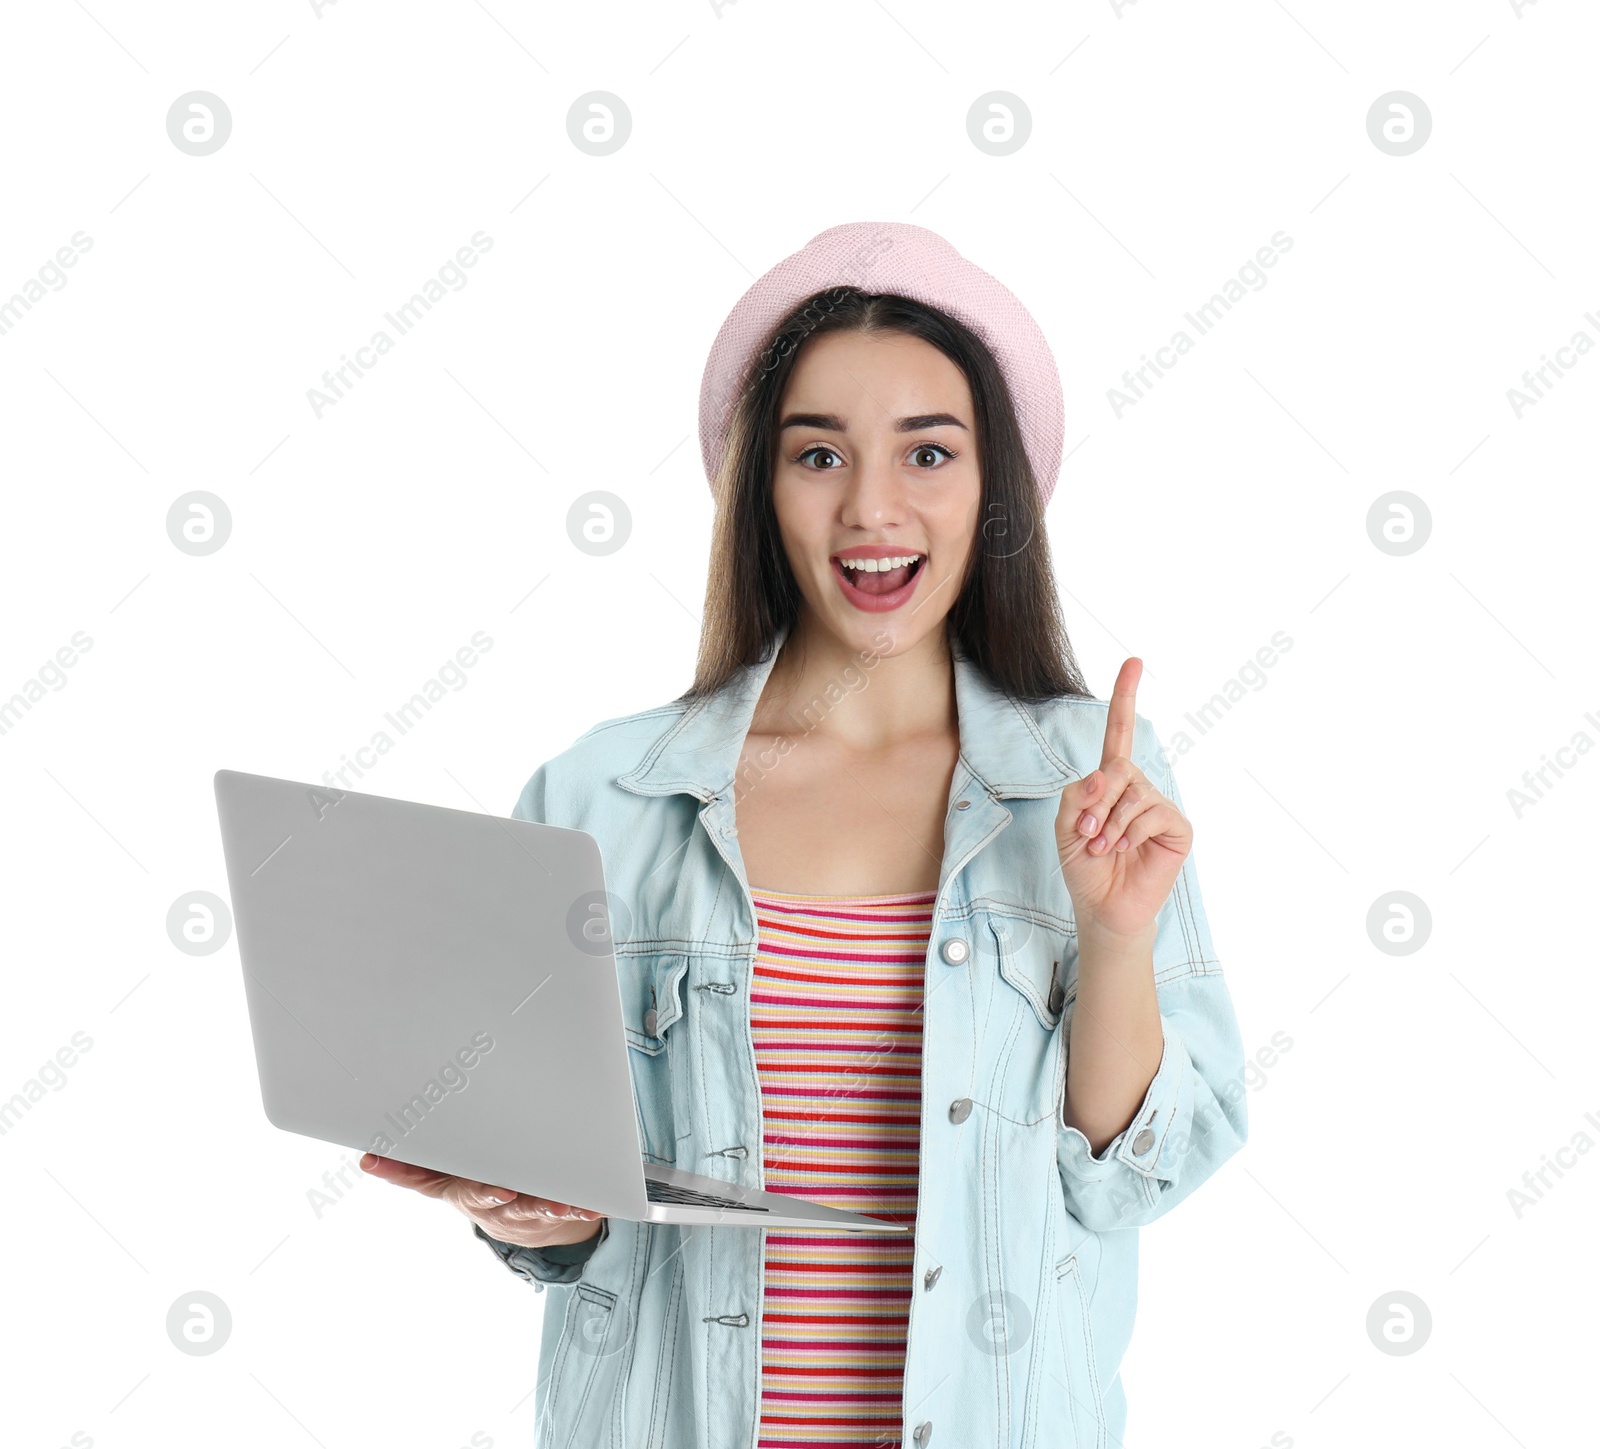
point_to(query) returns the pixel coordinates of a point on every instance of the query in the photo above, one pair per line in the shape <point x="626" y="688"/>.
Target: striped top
<point x="836" y="1017"/>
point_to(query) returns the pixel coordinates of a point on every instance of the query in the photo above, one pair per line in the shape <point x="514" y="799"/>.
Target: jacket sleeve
<point x="560" y="1262"/>
<point x="1192" y="1118"/>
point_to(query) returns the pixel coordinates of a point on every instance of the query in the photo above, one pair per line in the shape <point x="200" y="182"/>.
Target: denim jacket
<point x="1025" y="1271"/>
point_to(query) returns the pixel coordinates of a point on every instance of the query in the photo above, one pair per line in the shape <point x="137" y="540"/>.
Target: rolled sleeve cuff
<point x="559" y="1263"/>
<point x="1148" y="1149"/>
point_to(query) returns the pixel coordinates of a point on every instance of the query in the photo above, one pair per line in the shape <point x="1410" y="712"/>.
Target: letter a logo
<point x="323" y="801"/>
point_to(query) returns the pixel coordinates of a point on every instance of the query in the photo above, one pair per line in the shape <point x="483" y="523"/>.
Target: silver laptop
<point x="416" y="990"/>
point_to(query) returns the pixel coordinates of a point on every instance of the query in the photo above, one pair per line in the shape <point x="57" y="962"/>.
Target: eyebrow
<point x="832" y="422"/>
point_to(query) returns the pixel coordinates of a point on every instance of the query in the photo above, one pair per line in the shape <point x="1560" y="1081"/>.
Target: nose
<point x="876" y="492"/>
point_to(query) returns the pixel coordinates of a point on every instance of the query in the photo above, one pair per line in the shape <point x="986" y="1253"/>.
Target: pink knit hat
<point x="892" y="256"/>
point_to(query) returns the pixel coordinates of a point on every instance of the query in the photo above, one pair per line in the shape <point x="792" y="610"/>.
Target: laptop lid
<point x="393" y="953"/>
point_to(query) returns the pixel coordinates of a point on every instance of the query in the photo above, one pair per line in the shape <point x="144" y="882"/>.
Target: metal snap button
<point x="924" y="1433"/>
<point x="932" y="1276"/>
<point x="961" y="1109"/>
<point x="1143" y="1140"/>
<point x="955" y="951"/>
<point x="963" y="804"/>
<point x="1058" y="994"/>
<point x="650" y="1022"/>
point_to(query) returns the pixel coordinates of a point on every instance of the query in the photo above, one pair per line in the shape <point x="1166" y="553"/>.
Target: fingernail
<point x="1087" y="824"/>
<point x="1123" y="843"/>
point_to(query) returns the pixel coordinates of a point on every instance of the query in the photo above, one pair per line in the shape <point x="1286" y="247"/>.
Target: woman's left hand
<point x="1121" y="842"/>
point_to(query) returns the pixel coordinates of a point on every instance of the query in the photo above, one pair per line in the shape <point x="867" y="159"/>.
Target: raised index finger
<point x="1119" y="714"/>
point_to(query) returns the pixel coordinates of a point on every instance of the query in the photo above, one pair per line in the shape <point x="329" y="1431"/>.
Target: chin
<point x="884" y="635"/>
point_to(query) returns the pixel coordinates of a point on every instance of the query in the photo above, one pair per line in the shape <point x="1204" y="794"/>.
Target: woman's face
<point x="876" y="458"/>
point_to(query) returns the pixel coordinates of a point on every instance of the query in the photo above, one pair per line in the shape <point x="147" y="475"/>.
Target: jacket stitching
<point x="1044" y="1286"/>
<point x="700" y="1051"/>
<point x="1166" y="1131"/>
<point x="624" y="719"/>
<point x="1149" y="1174"/>
<point x="679" y="945"/>
<point x="654" y="753"/>
<point x="669" y="1353"/>
<point x="1089" y="1360"/>
<point x="1039" y="739"/>
<point x="711" y="1241"/>
<point x="1182" y="909"/>
<point x="623" y="1372"/>
<point x="599" y="1299"/>
<point x="1002" y="1072"/>
<point x="990" y="1154"/>
<point x="1039" y="1008"/>
<point x="557" y="1376"/>
<point x="1034" y="915"/>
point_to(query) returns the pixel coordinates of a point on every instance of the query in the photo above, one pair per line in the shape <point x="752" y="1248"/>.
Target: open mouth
<point x="875" y="579"/>
<point x="878" y="584"/>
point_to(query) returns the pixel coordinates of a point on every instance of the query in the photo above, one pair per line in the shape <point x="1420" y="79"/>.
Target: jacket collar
<point x="1001" y="742"/>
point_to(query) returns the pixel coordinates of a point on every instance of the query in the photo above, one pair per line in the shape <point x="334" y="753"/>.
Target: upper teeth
<point x="879" y="565"/>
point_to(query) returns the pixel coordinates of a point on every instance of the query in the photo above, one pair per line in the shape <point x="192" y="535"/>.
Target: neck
<point x="821" y="685"/>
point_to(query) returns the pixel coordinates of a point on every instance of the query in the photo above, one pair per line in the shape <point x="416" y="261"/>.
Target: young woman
<point x="912" y="923"/>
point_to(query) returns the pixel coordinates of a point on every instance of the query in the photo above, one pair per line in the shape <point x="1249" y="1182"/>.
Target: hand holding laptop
<point x="521" y="1219"/>
<point x="422" y="980"/>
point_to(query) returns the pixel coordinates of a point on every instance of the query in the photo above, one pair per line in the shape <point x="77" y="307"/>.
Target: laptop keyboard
<point x="671" y="1193"/>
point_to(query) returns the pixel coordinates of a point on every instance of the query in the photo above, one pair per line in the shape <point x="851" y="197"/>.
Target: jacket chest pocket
<point x="1031" y="964"/>
<point x="1035" y="960"/>
<point x="652" y="1014"/>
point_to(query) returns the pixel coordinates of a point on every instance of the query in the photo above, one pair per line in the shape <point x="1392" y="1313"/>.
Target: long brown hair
<point x="1006" y="618"/>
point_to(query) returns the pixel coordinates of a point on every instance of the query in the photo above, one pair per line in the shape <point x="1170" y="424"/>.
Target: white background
<point x="1168" y="143"/>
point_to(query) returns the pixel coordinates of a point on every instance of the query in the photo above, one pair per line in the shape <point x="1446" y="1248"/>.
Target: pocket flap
<point x="651" y="986"/>
<point x="1033" y="959"/>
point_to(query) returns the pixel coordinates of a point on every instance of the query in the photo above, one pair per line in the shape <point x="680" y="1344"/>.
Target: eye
<point x="821" y="448"/>
<point x="923" y="450"/>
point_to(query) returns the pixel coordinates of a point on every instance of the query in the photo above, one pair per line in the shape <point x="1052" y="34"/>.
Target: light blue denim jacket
<point x="1026" y="1245"/>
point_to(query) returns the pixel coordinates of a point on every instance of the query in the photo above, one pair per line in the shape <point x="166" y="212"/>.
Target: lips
<point x="878" y="593"/>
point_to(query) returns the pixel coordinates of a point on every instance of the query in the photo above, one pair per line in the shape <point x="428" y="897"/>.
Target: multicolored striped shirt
<point x="835" y="1013"/>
